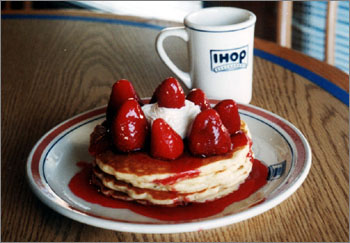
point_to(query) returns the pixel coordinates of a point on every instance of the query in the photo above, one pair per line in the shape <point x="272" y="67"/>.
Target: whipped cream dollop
<point x="179" y="119"/>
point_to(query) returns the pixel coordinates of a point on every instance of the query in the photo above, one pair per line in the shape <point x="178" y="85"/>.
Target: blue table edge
<point x="322" y="82"/>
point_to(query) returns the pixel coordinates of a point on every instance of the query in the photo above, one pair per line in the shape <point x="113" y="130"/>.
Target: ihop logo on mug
<point x="229" y="60"/>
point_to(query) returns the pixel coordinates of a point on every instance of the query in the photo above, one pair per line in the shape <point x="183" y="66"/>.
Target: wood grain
<point x="54" y="69"/>
<point x="334" y="74"/>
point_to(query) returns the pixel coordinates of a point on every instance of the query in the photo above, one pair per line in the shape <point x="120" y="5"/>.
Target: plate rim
<point x="51" y="199"/>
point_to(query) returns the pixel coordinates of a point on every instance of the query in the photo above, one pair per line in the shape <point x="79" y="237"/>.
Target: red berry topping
<point x="198" y="97"/>
<point x="165" y="142"/>
<point x="99" y="141"/>
<point x="129" y="127"/>
<point x="170" y="94"/>
<point x="208" y="135"/>
<point x="155" y="96"/>
<point x="122" y="90"/>
<point x="228" y="111"/>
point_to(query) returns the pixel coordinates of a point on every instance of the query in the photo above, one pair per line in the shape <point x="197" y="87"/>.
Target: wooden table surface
<point x="57" y="65"/>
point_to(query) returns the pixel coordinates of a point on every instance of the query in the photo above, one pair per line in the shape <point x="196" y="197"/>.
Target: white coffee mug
<point x="220" y="47"/>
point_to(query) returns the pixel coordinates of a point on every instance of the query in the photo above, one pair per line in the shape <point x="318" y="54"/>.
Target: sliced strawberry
<point x="208" y="135"/>
<point x="228" y="111"/>
<point x="165" y="142"/>
<point x="121" y="91"/>
<point x="170" y="94"/>
<point x="129" y="127"/>
<point x="198" y="97"/>
<point x="99" y="140"/>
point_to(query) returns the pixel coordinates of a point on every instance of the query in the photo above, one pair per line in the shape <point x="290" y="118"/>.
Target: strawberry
<point x="170" y="94"/>
<point x="198" y="97"/>
<point x="165" y="142"/>
<point x="228" y="111"/>
<point x="208" y="135"/>
<point x="129" y="127"/>
<point x="99" y="141"/>
<point x="155" y="96"/>
<point x="121" y="91"/>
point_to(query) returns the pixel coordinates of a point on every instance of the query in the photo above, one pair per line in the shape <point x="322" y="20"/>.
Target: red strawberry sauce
<point x="182" y="175"/>
<point x="81" y="187"/>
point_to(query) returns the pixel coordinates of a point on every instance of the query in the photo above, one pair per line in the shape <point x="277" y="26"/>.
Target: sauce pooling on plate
<point x="81" y="187"/>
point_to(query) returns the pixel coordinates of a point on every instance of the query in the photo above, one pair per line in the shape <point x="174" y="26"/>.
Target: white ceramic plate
<point x="53" y="162"/>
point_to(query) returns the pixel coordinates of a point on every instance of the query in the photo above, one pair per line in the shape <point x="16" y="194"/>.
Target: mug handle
<point x="174" y="31"/>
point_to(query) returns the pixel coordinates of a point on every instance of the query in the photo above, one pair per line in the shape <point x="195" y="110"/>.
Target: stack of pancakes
<point x="139" y="177"/>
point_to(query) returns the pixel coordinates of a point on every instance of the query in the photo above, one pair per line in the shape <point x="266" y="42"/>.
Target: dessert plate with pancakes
<point x="56" y="164"/>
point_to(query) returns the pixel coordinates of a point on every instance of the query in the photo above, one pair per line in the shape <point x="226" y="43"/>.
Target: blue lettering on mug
<point x="229" y="60"/>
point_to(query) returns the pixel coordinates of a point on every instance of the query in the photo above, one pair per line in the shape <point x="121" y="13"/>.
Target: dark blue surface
<point x="327" y="85"/>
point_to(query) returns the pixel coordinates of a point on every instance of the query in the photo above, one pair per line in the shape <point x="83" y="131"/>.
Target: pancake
<point x="140" y="177"/>
<point x="110" y="186"/>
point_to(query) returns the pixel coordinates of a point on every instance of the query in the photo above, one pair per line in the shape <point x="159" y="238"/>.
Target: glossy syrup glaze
<point x="159" y="195"/>
<point x="140" y="163"/>
<point x="81" y="187"/>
